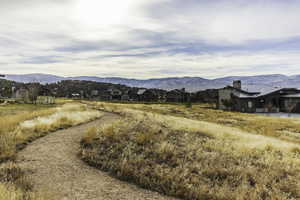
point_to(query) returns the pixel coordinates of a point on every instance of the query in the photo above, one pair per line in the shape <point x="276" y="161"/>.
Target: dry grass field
<point x="198" y="153"/>
<point x="283" y="128"/>
<point x="21" y="124"/>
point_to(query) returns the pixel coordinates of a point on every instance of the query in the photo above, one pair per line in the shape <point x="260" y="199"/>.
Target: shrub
<point x="90" y="135"/>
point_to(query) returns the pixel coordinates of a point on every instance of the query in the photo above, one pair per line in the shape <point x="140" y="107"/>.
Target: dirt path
<point x="56" y="169"/>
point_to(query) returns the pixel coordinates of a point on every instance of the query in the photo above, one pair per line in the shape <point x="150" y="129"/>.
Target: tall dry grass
<point x="17" y="130"/>
<point x="9" y="124"/>
<point x="25" y="125"/>
<point x="14" y="185"/>
<point x="10" y="192"/>
<point x="193" y="159"/>
<point x="284" y="128"/>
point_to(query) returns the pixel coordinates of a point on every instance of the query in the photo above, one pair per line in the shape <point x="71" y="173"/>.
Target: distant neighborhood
<point x="76" y="89"/>
<point x="230" y="98"/>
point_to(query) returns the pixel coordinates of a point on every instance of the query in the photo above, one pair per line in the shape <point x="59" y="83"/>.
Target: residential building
<point x="278" y="100"/>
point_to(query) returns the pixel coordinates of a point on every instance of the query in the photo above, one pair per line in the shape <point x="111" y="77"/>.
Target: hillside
<point x="29" y="78"/>
<point x="250" y="83"/>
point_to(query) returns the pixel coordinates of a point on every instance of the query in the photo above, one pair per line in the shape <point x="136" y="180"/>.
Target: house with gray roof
<point x="278" y="100"/>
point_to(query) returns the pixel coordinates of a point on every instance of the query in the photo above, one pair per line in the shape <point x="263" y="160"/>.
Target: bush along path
<point x="55" y="169"/>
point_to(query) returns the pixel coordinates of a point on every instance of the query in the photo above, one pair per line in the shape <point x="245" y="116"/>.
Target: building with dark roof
<point x="277" y="100"/>
<point x="228" y="96"/>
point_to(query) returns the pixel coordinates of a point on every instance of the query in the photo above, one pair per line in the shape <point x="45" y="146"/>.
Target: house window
<point x="250" y="105"/>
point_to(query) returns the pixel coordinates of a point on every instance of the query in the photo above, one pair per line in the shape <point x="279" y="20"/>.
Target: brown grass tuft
<point x="15" y="185"/>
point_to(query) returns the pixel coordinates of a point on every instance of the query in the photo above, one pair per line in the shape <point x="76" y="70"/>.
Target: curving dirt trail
<point x="55" y="168"/>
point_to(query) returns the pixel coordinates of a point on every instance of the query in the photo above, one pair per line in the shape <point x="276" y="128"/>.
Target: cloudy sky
<point x="150" y="38"/>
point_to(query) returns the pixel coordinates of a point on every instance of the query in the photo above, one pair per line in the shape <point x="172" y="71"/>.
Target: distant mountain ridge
<point x="258" y="83"/>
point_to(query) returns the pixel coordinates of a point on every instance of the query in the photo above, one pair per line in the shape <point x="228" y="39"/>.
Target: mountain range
<point x="260" y="83"/>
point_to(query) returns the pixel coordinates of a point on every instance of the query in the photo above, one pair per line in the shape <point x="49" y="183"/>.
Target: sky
<point x="150" y="38"/>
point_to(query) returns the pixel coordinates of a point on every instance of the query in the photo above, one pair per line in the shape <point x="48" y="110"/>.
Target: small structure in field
<point x="45" y="100"/>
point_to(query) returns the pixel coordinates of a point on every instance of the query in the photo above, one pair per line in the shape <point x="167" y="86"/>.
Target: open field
<point x="21" y="124"/>
<point x="198" y="153"/>
<point x="190" y="153"/>
<point x="287" y="129"/>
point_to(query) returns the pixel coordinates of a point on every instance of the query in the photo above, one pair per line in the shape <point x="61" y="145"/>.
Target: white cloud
<point x="233" y="21"/>
<point x="139" y="38"/>
<point x="207" y="65"/>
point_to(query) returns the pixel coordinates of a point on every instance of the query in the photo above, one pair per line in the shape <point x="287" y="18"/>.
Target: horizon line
<point x="167" y="77"/>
